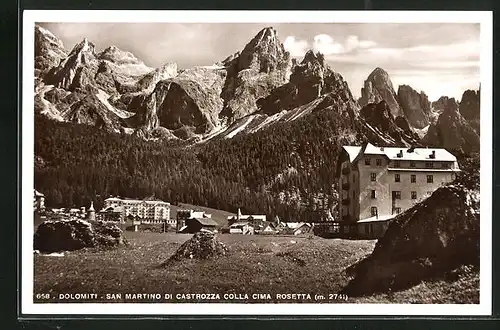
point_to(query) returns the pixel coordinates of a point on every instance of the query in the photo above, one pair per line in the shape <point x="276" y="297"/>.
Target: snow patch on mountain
<point x="239" y="128"/>
<point x="103" y="97"/>
<point x="422" y="131"/>
<point x="48" y="108"/>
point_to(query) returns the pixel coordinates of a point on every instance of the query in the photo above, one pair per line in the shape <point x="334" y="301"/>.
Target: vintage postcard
<point x="256" y="163"/>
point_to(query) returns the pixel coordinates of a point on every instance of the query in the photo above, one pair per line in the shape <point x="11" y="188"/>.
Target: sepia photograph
<point x="256" y="163"/>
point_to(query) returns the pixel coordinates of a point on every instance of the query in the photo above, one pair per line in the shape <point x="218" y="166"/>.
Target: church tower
<point x="91" y="212"/>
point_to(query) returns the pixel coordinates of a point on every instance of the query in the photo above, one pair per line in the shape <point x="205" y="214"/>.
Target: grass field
<point x="256" y="266"/>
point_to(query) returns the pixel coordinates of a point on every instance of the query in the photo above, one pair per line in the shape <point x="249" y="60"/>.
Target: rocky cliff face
<point x="416" y="106"/>
<point x="377" y="87"/>
<point x="452" y="131"/>
<point x="77" y="70"/>
<point x="190" y="102"/>
<point x="441" y="103"/>
<point x="311" y="79"/>
<point x="253" y="73"/>
<point x="469" y="108"/>
<point x="49" y="51"/>
<point x="382" y="128"/>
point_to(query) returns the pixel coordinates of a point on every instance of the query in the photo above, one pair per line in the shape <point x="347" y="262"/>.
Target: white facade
<point x="147" y="210"/>
<point x="379" y="182"/>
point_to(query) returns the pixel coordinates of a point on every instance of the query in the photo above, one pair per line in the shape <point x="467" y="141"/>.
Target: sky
<point x="439" y="59"/>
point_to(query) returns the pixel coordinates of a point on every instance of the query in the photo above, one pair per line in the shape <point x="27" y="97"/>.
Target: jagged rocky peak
<point x="264" y="52"/>
<point x="253" y="73"/>
<point x="311" y="79"/>
<point x="49" y="50"/>
<point x="452" y="130"/>
<point x="118" y="56"/>
<point x="377" y="87"/>
<point x="41" y="32"/>
<point x="77" y="70"/>
<point x="84" y="47"/>
<point x="440" y="103"/>
<point x="382" y="123"/>
<point x="470" y="104"/>
<point x="451" y="106"/>
<point x="416" y="106"/>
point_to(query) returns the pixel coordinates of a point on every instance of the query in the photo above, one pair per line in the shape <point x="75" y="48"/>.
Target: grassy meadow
<point x="262" y="267"/>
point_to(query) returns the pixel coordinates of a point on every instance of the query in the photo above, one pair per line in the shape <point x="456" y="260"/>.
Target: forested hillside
<point x="268" y="172"/>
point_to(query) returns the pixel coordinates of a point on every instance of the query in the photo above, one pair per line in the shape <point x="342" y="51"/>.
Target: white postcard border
<point x="484" y="18"/>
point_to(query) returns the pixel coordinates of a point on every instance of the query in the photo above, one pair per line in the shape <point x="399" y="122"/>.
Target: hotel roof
<point x="408" y="153"/>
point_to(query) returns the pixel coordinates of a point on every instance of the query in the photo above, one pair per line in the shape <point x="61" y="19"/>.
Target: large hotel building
<point x="377" y="183"/>
<point x="147" y="211"/>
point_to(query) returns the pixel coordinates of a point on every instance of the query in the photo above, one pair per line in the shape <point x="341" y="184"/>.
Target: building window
<point x="374" y="211"/>
<point x="397" y="178"/>
<point x="373" y="194"/>
<point x="373" y="176"/>
<point x="397" y="164"/>
<point x="353" y="193"/>
<point x="379" y="162"/>
<point x="430" y="179"/>
<point x="429" y="165"/>
<point x="353" y="178"/>
<point x="368" y="161"/>
<point x="397" y="210"/>
<point x="396" y="194"/>
<point x="413" y="178"/>
<point x="445" y="165"/>
<point x="412" y="164"/>
<point x="413" y="195"/>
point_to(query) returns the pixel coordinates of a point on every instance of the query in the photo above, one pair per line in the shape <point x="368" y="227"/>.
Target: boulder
<point x="430" y="239"/>
<point x="70" y="235"/>
<point x="203" y="245"/>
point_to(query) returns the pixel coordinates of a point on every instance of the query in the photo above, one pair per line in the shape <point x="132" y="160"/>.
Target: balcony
<point x="346" y="170"/>
<point x="345" y="186"/>
<point x="346" y="201"/>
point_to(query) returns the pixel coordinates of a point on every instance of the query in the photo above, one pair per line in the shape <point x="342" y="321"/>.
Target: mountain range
<point x="249" y="90"/>
<point x="254" y="96"/>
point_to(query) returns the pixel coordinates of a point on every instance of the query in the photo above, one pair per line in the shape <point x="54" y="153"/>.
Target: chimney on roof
<point x="381" y="148"/>
<point x="433" y="154"/>
<point x="411" y="149"/>
<point x="400" y="154"/>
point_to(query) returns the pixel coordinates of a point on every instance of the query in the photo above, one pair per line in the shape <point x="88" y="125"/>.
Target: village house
<point x="146" y="210"/>
<point x="250" y="218"/>
<point x="377" y="183"/>
<point x="194" y="225"/>
<point x="184" y="214"/>
<point x="241" y="228"/>
<point x="268" y="228"/>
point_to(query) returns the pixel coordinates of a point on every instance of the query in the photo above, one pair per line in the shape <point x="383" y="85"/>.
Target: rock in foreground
<point x="434" y="237"/>
<point x="203" y="245"/>
<point x="70" y="235"/>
